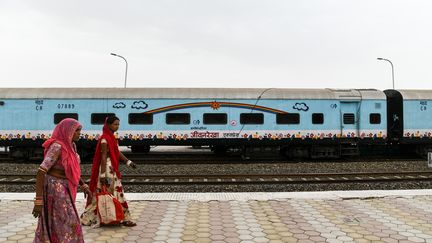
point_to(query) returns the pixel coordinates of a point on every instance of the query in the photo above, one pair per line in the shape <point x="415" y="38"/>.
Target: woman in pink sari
<point x="57" y="181"/>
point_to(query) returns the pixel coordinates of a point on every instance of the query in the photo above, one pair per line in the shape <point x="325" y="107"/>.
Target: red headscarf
<point x="114" y="155"/>
<point x="63" y="134"/>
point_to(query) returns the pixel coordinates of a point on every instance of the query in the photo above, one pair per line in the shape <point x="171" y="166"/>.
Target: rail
<point x="216" y="179"/>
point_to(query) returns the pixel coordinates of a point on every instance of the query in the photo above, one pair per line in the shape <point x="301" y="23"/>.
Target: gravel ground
<point x="267" y="167"/>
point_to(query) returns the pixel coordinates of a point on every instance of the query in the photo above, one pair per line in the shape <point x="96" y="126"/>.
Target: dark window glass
<point x="140" y="118"/>
<point x="58" y="117"/>
<point x="375" y="118"/>
<point x="317" y="118"/>
<point x="348" y="118"/>
<point x="178" y="118"/>
<point x="251" y="118"/>
<point x="99" y="118"/>
<point x="215" y="118"/>
<point x="290" y="118"/>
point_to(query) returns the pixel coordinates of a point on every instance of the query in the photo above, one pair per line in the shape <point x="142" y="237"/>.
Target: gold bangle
<point x="38" y="202"/>
<point x="43" y="170"/>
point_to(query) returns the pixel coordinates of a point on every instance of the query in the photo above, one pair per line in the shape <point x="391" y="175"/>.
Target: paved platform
<point x="352" y="216"/>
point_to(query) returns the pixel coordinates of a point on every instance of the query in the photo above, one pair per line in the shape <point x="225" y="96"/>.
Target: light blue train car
<point x="299" y="122"/>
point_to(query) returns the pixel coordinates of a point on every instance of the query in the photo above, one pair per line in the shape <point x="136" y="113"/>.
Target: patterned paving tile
<point x="389" y="219"/>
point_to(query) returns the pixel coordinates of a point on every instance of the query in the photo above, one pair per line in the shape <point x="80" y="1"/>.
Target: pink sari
<point x="59" y="221"/>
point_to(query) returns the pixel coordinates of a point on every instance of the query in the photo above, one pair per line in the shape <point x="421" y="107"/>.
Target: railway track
<point x="233" y="179"/>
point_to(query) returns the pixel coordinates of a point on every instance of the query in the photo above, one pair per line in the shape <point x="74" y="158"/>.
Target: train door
<point x="350" y="118"/>
<point x="2" y="119"/>
<point x="395" y="119"/>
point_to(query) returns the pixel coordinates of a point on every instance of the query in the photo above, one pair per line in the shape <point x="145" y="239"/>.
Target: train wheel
<point x="423" y="150"/>
<point x="19" y="153"/>
<point x="219" y="150"/>
<point x="140" y="148"/>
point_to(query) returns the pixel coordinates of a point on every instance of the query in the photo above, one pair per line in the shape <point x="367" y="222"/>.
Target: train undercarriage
<point x="290" y="152"/>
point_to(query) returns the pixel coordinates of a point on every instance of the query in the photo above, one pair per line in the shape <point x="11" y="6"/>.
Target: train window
<point x="140" y="118"/>
<point x="99" y="118"/>
<point x="215" y="118"/>
<point x="348" y="118"/>
<point x="317" y="118"/>
<point x="251" y="118"/>
<point x="290" y="118"/>
<point x="375" y="118"/>
<point x="177" y="118"/>
<point x="58" y="117"/>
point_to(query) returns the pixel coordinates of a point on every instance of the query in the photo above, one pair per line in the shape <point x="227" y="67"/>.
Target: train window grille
<point x="140" y="118"/>
<point x="289" y="118"/>
<point x="375" y="118"/>
<point x="215" y="118"/>
<point x="348" y="118"/>
<point x="251" y="118"/>
<point x="99" y="118"/>
<point x="177" y="118"/>
<point x="317" y="118"/>
<point x="58" y="117"/>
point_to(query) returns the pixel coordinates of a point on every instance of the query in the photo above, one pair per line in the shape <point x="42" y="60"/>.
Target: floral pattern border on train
<point x="215" y="135"/>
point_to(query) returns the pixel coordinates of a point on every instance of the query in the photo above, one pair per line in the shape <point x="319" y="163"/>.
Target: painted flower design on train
<point x="209" y="134"/>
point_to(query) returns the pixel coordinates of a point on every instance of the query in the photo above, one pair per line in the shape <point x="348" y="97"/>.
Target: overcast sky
<point x="218" y="43"/>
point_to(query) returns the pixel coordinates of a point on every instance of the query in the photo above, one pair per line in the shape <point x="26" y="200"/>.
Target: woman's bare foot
<point x="128" y="223"/>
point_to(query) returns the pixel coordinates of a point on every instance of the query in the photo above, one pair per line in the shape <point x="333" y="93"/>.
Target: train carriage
<point x="298" y="122"/>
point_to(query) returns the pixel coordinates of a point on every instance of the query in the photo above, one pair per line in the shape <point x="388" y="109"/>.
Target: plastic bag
<point x="109" y="208"/>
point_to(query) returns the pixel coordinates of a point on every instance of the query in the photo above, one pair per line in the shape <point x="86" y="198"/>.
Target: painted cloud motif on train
<point x="139" y="105"/>
<point x="119" y="105"/>
<point x="301" y="107"/>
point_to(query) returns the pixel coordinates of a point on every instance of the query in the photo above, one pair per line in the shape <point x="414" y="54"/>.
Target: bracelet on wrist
<point x="38" y="202"/>
<point x="42" y="170"/>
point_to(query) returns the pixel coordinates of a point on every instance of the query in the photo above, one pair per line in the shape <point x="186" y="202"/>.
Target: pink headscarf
<point x="63" y="134"/>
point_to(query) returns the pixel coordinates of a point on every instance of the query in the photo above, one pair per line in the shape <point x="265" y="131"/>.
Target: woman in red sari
<point x="105" y="171"/>
<point x="57" y="181"/>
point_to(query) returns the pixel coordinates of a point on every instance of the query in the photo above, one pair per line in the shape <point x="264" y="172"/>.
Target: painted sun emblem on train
<point x="215" y="105"/>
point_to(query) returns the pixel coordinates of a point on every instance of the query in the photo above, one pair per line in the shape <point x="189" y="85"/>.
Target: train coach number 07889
<point x="65" y="106"/>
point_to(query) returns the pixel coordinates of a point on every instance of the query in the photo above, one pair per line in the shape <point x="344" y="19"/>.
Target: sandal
<point x="128" y="223"/>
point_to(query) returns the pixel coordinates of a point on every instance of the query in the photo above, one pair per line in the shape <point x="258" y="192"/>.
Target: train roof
<point x="413" y="94"/>
<point x="182" y="93"/>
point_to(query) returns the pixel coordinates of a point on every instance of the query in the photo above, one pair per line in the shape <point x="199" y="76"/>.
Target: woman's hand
<point x="37" y="211"/>
<point x="87" y="193"/>
<point x="131" y="164"/>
